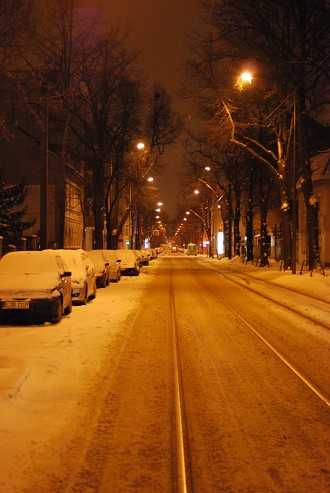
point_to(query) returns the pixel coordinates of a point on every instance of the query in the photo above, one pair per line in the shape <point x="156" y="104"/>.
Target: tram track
<point x="280" y="355"/>
<point x="319" y="311"/>
<point x="186" y="462"/>
<point x="180" y="425"/>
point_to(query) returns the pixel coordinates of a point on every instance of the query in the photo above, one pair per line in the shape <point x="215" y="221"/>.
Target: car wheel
<point x="59" y="309"/>
<point x="68" y="308"/>
<point x="93" y="295"/>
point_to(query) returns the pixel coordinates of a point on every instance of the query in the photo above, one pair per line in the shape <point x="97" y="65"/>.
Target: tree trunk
<point x="312" y="206"/>
<point x="264" y="253"/>
<point x="249" y="232"/>
<point x="249" y="218"/>
<point x="61" y="188"/>
<point x="98" y="204"/>
<point x="287" y="244"/>
<point x="237" y="217"/>
<point x="312" y="209"/>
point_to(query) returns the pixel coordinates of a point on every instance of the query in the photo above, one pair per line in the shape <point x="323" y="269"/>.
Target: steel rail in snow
<point x="263" y="282"/>
<point x="298" y="373"/>
<point x="178" y="400"/>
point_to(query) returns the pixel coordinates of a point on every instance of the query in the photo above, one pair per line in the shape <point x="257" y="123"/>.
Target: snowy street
<point x="195" y="373"/>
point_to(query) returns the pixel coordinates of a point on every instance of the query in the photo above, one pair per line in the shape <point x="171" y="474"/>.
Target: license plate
<point x="15" y="305"/>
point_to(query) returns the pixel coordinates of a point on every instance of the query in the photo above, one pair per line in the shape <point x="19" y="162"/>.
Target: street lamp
<point x="243" y="79"/>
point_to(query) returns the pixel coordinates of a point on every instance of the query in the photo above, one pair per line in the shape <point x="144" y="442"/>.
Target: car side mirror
<point x="66" y="274"/>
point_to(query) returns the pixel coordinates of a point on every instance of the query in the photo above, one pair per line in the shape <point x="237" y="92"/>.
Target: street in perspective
<point x="164" y="246"/>
<point x="197" y="375"/>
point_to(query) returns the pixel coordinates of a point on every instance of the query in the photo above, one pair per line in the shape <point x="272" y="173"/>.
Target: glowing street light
<point x="150" y="179"/>
<point x="140" y="145"/>
<point x="246" y="77"/>
<point x="243" y="79"/>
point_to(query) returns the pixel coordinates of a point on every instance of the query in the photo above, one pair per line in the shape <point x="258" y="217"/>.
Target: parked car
<point x="145" y="257"/>
<point x="34" y="286"/>
<point x="114" y="265"/>
<point x="129" y="262"/>
<point x="152" y="253"/>
<point x="138" y="256"/>
<point x="101" y="265"/>
<point x="83" y="275"/>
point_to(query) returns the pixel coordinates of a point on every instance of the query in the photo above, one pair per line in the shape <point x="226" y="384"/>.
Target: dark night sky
<point x="158" y="29"/>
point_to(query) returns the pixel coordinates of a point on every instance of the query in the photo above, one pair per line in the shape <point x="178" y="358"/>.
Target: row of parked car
<point x="43" y="285"/>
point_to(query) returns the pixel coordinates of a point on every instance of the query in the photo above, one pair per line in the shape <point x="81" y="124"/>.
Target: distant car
<point x="114" y="265"/>
<point x="152" y="253"/>
<point x="34" y="286"/>
<point x="83" y="275"/>
<point x="145" y="257"/>
<point x="101" y="265"/>
<point x="129" y="262"/>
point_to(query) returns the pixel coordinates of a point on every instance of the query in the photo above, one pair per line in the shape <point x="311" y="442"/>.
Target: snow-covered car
<point x="101" y="266"/>
<point x="145" y="257"/>
<point x="152" y="253"/>
<point x="34" y="286"/>
<point x="129" y="262"/>
<point x="83" y="275"/>
<point x="138" y="256"/>
<point x="114" y="265"/>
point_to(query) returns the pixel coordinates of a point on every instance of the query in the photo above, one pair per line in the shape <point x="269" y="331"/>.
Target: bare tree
<point x="15" y="18"/>
<point x="287" y="45"/>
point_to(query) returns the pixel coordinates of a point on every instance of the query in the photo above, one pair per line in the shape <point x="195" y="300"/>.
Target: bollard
<point x="31" y="243"/>
<point x="21" y="244"/>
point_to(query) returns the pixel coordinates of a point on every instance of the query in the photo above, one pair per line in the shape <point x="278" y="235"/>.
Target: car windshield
<point x="96" y="256"/>
<point x="36" y="263"/>
<point x="72" y="261"/>
<point x="125" y="253"/>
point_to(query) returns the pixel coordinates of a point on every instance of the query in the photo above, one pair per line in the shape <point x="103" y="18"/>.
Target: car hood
<point x="27" y="283"/>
